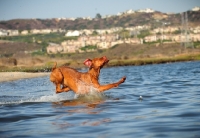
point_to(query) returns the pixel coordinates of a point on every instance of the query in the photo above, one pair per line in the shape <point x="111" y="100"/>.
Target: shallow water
<point x="169" y="106"/>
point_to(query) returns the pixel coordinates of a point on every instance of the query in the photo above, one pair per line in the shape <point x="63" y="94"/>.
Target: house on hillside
<point x="87" y="32"/>
<point x="13" y="32"/>
<point x="120" y="13"/>
<point x="195" y="37"/>
<point x="150" y="38"/>
<point x="54" y="48"/>
<point x="35" y="31"/>
<point x="168" y="29"/>
<point x="70" y="48"/>
<point x="73" y="33"/>
<point x="24" y="32"/>
<point x="153" y="38"/>
<point x="147" y="10"/>
<point x="72" y="19"/>
<point x="196" y="8"/>
<point x="45" y="31"/>
<point x="3" y="32"/>
<point x="195" y="30"/>
<point x="130" y="11"/>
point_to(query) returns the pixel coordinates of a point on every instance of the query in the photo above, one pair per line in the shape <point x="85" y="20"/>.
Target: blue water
<point x="169" y="107"/>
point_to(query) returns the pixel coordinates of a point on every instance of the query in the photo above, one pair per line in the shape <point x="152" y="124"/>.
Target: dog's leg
<point x="102" y="88"/>
<point x="65" y="88"/>
<point x="59" y="90"/>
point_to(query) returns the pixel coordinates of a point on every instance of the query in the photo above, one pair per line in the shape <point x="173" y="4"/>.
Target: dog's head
<point x="96" y="62"/>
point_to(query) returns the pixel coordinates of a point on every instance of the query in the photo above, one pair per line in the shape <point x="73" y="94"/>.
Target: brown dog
<point x="81" y="83"/>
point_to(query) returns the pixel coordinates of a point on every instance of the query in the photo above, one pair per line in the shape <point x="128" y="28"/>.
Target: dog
<point x="66" y="78"/>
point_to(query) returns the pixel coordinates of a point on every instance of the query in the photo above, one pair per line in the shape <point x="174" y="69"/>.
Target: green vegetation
<point x="39" y="53"/>
<point x="94" y="33"/>
<point x="89" y="47"/>
<point x="98" y="16"/>
<point x="27" y="69"/>
<point x="196" y="44"/>
<point x="159" y="41"/>
<point x="144" y="33"/>
<point x="119" y="55"/>
<point x="153" y="60"/>
<point x="115" y="62"/>
<point x="124" y="34"/>
<point x="177" y="32"/>
<point x="41" y="39"/>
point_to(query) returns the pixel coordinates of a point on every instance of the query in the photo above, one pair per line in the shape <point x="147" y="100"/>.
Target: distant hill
<point x="125" y="20"/>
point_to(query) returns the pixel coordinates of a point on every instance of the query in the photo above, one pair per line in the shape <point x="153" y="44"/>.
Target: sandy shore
<point x="12" y="76"/>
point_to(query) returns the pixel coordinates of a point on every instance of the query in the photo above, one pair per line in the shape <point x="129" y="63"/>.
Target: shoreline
<point x="17" y="75"/>
<point x="13" y="76"/>
<point x="150" y="61"/>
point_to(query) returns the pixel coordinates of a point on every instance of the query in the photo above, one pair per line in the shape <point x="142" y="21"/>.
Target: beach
<point x="12" y="76"/>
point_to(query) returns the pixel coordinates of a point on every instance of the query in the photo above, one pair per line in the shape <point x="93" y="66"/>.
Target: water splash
<point x="9" y="100"/>
<point x="91" y="96"/>
<point x="88" y="93"/>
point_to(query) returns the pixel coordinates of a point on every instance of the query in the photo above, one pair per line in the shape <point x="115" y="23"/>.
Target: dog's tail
<point x="54" y="66"/>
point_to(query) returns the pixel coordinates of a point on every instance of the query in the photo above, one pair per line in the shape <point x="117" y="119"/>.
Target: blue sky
<point x="12" y="9"/>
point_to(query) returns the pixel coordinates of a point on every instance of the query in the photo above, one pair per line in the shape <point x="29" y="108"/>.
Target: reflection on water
<point x="155" y="101"/>
<point x="90" y="100"/>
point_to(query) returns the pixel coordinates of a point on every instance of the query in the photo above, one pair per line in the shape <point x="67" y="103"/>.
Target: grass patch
<point x="89" y="47"/>
<point x="146" y="61"/>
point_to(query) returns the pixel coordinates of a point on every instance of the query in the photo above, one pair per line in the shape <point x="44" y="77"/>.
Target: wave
<point x="9" y="100"/>
<point x="91" y="96"/>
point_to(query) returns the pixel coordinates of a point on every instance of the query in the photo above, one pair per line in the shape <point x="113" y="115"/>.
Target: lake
<point x="160" y="100"/>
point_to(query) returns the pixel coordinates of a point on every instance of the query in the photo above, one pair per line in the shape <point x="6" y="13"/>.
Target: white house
<point x="87" y="18"/>
<point x="120" y="13"/>
<point x="147" y="10"/>
<point x="54" y="48"/>
<point x="130" y="11"/>
<point x="196" y="8"/>
<point x="24" y="32"/>
<point x="3" y="32"/>
<point x="87" y="32"/>
<point x="13" y="32"/>
<point x="45" y="31"/>
<point x="72" y="19"/>
<point x="73" y="33"/>
<point x="35" y="31"/>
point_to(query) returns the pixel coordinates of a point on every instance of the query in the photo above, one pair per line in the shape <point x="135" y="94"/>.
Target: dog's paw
<point x="123" y="79"/>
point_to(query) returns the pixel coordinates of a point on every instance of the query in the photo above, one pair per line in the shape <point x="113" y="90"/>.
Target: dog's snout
<point x="105" y="59"/>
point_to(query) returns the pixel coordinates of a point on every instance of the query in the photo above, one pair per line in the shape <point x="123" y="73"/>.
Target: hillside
<point x="29" y="51"/>
<point x="128" y="20"/>
<point x="9" y="49"/>
<point x="128" y="51"/>
<point x="123" y="54"/>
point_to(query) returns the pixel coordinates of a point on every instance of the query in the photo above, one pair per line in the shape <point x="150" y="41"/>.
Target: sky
<point x="26" y="9"/>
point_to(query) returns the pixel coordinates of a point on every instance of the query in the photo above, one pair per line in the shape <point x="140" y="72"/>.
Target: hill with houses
<point x="144" y="29"/>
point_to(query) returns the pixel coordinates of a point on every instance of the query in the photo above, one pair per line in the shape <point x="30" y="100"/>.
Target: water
<point x="169" y="106"/>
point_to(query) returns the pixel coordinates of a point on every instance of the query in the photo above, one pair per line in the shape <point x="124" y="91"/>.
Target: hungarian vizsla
<point x="66" y="78"/>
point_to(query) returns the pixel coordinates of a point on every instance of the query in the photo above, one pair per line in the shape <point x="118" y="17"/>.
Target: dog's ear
<point x="88" y="62"/>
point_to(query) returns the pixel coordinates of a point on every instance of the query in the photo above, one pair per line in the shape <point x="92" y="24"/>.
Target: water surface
<point x="169" y="106"/>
